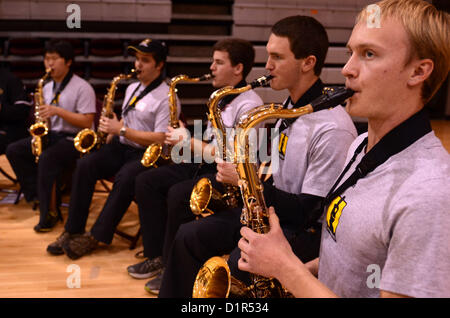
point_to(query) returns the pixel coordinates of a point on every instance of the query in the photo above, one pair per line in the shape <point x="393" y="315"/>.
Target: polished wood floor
<point x="27" y="271"/>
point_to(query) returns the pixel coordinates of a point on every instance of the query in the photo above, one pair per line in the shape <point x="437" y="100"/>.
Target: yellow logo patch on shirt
<point x="132" y="100"/>
<point x="282" y="145"/>
<point x="334" y="212"/>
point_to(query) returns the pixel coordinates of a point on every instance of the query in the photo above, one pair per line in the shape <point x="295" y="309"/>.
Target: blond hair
<point x="428" y="32"/>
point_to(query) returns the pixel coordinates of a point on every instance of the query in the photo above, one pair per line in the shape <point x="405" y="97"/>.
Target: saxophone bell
<point x="214" y="280"/>
<point x="151" y="155"/>
<point x="85" y="140"/>
<point x="205" y="199"/>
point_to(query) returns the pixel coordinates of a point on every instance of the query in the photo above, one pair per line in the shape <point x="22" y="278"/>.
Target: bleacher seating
<point x="189" y="27"/>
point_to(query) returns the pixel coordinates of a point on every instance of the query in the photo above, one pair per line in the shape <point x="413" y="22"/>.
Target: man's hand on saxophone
<point x="47" y="111"/>
<point x="76" y="119"/>
<point x="176" y="135"/>
<point x="226" y="172"/>
<point x="262" y="254"/>
<point x="110" y="126"/>
<point x="271" y="255"/>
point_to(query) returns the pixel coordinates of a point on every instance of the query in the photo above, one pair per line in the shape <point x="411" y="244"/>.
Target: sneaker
<point x="50" y="221"/>
<point x="79" y="245"/>
<point x="56" y="248"/>
<point x="154" y="285"/>
<point x="146" y="269"/>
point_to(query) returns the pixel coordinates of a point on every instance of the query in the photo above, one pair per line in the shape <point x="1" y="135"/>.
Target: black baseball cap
<point x="149" y="46"/>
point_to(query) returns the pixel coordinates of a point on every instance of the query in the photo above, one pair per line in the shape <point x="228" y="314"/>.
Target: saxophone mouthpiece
<point x="348" y="93"/>
<point x="263" y="81"/>
<point x="332" y="97"/>
<point x="136" y="71"/>
<point x="205" y="77"/>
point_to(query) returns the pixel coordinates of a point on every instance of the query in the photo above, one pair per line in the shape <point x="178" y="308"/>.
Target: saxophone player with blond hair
<point x="386" y="224"/>
<point x="67" y="105"/>
<point x="144" y="118"/>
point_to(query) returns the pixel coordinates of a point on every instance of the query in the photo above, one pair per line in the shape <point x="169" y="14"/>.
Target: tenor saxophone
<point x="87" y="138"/>
<point x="39" y="129"/>
<point x="203" y="194"/>
<point x="155" y="150"/>
<point x="214" y="279"/>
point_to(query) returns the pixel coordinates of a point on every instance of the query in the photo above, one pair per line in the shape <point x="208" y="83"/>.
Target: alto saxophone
<point x="39" y="129"/>
<point x="203" y="193"/>
<point x="87" y="139"/>
<point x="214" y="279"/>
<point x="155" y="150"/>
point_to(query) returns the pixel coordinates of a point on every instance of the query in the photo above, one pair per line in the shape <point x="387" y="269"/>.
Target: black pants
<point x="162" y="196"/>
<point x="37" y="179"/>
<point x="114" y="159"/>
<point x="7" y="138"/>
<point x="194" y="243"/>
<point x="217" y="235"/>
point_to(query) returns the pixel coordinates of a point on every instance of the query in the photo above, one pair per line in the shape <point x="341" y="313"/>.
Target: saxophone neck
<point x="217" y="95"/>
<point x="108" y="101"/>
<point x="39" y="95"/>
<point x="173" y="94"/>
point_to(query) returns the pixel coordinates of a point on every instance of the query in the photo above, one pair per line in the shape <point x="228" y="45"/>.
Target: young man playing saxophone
<point x="310" y="155"/>
<point x="68" y="106"/>
<point x="163" y="194"/>
<point x="386" y="226"/>
<point x="145" y="114"/>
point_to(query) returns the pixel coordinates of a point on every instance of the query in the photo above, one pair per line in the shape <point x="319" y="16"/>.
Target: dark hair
<point x="63" y="48"/>
<point x="306" y="37"/>
<point x="239" y="51"/>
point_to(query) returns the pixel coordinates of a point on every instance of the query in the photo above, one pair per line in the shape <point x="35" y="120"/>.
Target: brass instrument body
<point x="211" y="280"/>
<point x="155" y="152"/>
<point x="230" y="196"/>
<point x="87" y="138"/>
<point x="39" y="130"/>
<point x="205" y="199"/>
<point x="214" y="280"/>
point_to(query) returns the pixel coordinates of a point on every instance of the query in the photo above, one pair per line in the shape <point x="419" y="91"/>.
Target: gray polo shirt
<point x="392" y="229"/>
<point x="311" y="151"/>
<point x="151" y="112"/>
<point x="78" y="97"/>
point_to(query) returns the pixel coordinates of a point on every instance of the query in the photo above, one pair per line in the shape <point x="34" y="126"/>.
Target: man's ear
<point x="422" y="69"/>
<point x="308" y="63"/>
<point x="238" y="69"/>
<point x="160" y="66"/>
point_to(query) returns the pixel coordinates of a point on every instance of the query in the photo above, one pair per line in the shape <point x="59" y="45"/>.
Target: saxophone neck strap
<point x="312" y="93"/>
<point x="133" y="100"/>
<point x="392" y="143"/>
<point x="65" y="81"/>
<point x="224" y="102"/>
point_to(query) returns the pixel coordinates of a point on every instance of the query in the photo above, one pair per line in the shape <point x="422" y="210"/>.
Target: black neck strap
<point x="61" y="87"/>
<point x="131" y="103"/>
<point x="224" y="102"/>
<point x="312" y="93"/>
<point x="392" y="143"/>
